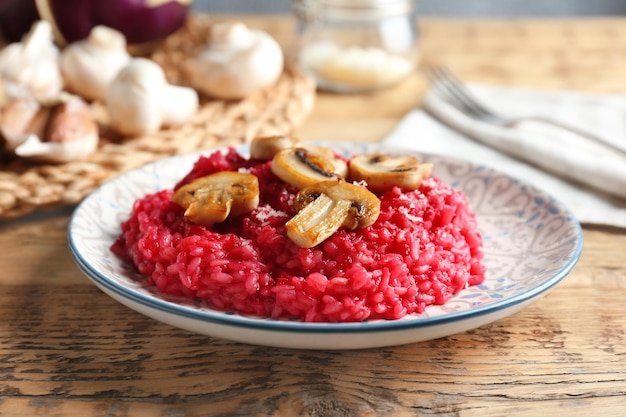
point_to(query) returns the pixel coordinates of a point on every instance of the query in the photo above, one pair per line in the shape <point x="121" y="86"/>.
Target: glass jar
<point x="352" y="46"/>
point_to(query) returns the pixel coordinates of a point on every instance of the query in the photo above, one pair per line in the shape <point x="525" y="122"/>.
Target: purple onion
<point x="136" y="19"/>
<point x="16" y="18"/>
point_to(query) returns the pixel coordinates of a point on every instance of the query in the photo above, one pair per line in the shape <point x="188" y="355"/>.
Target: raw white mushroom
<point x="31" y="66"/>
<point x="236" y="63"/>
<point x="141" y="101"/>
<point x="89" y="66"/>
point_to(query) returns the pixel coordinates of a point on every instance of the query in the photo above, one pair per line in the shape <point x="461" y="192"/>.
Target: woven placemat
<point x="26" y="187"/>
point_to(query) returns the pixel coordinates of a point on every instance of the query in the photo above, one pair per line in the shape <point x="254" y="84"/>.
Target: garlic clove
<point x="20" y="118"/>
<point x="55" y="152"/>
<point x="4" y="94"/>
<point x="70" y="134"/>
<point x="70" y="121"/>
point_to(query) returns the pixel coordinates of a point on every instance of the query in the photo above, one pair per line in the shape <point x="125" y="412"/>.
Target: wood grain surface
<point x="66" y="349"/>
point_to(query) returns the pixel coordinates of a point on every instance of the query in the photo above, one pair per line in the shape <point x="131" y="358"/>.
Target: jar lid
<point x="356" y="9"/>
<point x="367" y="8"/>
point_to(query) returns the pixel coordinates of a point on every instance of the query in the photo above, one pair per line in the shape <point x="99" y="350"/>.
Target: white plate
<point x="531" y="242"/>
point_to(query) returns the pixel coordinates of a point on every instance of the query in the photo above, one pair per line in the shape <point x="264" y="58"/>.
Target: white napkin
<point x="571" y="169"/>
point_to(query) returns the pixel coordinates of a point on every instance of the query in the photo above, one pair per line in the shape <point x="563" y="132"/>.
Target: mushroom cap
<point x="237" y="63"/>
<point x="89" y="66"/>
<point x="266" y="147"/>
<point x="383" y="172"/>
<point x="134" y="98"/>
<point x="211" y="199"/>
<point x="301" y="167"/>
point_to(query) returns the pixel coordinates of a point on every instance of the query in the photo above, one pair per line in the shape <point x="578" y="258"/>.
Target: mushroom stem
<point x="326" y="206"/>
<point x="140" y="100"/>
<point x="317" y="221"/>
<point x="178" y="104"/>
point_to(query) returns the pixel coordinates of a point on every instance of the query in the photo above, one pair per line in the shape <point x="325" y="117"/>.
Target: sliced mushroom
<point x="326" y="206"/>
<point x="340" y="166"/>
<point x="301" y="167"/>
<point x="211" y="199"/>
<point x="383" y="172"/>
<point x="266" y="147"/>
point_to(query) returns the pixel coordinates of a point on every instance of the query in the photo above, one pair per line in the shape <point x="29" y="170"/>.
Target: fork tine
<point x="441" y="85"/>
<point x="463" y="92"/>
<point x="457" y="93"/>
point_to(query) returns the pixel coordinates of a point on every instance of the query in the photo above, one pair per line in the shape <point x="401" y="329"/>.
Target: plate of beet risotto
<point x="322" y="246"/>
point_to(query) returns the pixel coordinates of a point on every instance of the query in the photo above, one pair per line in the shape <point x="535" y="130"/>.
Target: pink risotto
<point x="422" y="249"/>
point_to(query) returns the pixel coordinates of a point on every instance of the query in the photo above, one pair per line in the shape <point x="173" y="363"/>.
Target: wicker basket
<point x="26" y="187"/>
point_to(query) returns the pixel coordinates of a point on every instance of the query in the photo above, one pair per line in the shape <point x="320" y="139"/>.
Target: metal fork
<point x="454" y="91"/>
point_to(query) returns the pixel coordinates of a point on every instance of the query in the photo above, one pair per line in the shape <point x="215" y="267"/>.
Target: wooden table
<point x="69" y="350"/>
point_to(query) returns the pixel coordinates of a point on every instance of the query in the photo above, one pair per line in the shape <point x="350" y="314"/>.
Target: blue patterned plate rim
<point x="235" y="320"/>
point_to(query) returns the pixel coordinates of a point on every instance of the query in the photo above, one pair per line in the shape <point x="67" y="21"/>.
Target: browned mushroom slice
<point x="326" y="206"/>
<point x="340" y="167"/>
<point x="383" y="172"/>
<point x="301" y="167"/>
<point x="211" y="199"/>
<point x="266" y="147"/>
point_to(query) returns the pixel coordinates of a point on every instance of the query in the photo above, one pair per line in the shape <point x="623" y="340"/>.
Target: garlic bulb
<point x="31" y="65"/>
<point x="61" y="132"/>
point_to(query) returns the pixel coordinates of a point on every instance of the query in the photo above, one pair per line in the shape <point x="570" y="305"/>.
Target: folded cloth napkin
<point x="589" y="179"/>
